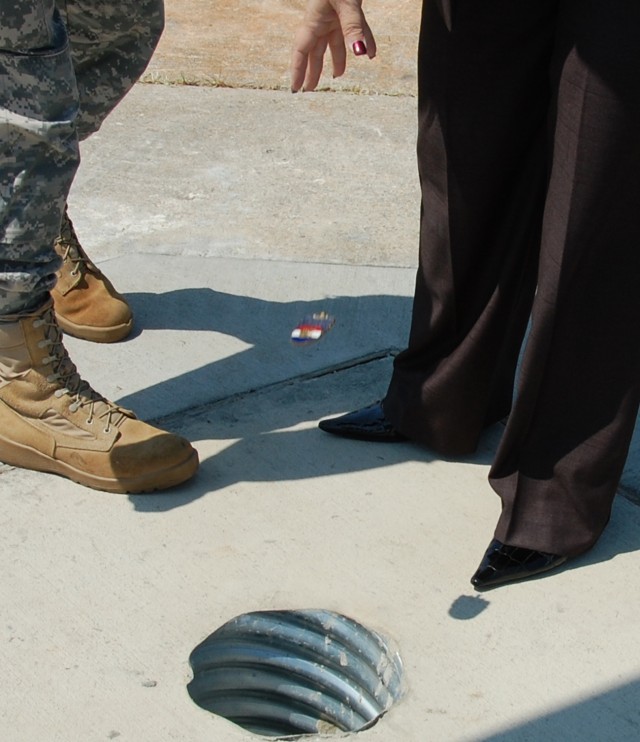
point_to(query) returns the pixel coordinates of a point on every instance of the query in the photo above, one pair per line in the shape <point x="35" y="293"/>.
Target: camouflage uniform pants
<point x="64" y="65"/>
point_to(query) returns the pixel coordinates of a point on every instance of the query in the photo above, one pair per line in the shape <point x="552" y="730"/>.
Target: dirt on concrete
<point x="246" y="43"/>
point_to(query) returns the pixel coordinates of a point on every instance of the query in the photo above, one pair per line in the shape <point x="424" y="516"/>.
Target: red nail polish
<point x="359" y="48"/>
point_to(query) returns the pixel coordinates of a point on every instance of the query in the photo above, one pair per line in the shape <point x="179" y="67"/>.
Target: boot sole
<point x="95" y="334"/>
<point x="24" y="457"/>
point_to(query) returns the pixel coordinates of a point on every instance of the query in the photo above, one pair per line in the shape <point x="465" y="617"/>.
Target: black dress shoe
<point x="368" y="424"/>
<point x="503" y="563"/>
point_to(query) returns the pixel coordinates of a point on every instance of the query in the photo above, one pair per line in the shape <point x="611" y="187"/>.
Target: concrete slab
<point x="252" y="174"/>
<point x="212" y="328"/>
<point x="109" y="595"/>
<point x="102" y="598"/>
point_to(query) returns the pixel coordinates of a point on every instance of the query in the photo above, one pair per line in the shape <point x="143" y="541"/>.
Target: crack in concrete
<point x="176" y="419"/>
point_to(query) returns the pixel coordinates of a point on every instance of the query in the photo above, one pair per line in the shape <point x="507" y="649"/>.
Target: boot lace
<point x="65" y="374"/>
<point x="72" y="249"/>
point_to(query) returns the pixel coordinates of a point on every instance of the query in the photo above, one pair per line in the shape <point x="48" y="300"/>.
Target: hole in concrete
<point x="291" y="673"/>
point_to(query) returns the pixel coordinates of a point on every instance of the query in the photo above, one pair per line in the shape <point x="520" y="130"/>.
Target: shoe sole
<point x="95" y="334"/>
<point x="24" y="457"/>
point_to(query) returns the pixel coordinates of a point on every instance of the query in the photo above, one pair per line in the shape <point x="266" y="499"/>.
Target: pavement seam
<point x="191" y="414"/>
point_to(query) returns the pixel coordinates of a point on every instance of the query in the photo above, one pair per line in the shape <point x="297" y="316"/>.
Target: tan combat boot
<point x="51" y="420"/>
<point x="86" y="304"/>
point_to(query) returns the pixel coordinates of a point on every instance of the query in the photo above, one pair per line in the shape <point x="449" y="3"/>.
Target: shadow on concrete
<point x="363" y="324"/>
<point x="466" y="607"/>
<point x="256" y="422"/>
<point x="289" y="456"/>
<point x="249" y="318"/>
<point x="310" y="453"/>
<point x="611" y="715"/>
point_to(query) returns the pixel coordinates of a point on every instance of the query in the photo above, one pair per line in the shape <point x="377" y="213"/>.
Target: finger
<point x="298" y="70"/>
<point x="303" y="43"/>
<point x="338" y="53"/>
<point x="369" y="41"/>
<point x="352" y="21"/>
<point x="366" y="45"/>
<point x="315" y="64"/>
<point x="356" y="31"/>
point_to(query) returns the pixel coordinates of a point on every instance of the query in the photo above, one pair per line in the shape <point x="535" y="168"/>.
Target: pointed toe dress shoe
<point x="367" y="424"/>
<point x="502" y="563"/>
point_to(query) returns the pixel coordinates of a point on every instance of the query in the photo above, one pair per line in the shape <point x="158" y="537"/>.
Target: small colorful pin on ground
<point x="312" y="328"/>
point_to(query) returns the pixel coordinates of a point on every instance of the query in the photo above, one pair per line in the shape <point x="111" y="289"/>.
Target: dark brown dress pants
<point x="529" y="161"/>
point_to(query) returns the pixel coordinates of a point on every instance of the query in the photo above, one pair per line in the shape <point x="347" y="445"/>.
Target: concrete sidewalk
<point x="225" y="215"/>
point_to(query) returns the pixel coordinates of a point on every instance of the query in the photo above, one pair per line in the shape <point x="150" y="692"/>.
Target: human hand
<point x="328" y="23"/>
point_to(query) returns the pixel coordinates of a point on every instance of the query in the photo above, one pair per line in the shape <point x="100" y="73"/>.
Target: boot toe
<point x="155" y="460"/>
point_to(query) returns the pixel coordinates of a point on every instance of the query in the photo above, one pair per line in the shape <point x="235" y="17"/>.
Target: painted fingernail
<point x="359" y="48"/>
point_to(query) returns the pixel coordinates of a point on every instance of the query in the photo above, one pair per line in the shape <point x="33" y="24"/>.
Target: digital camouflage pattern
<point x="63" y="67"/>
